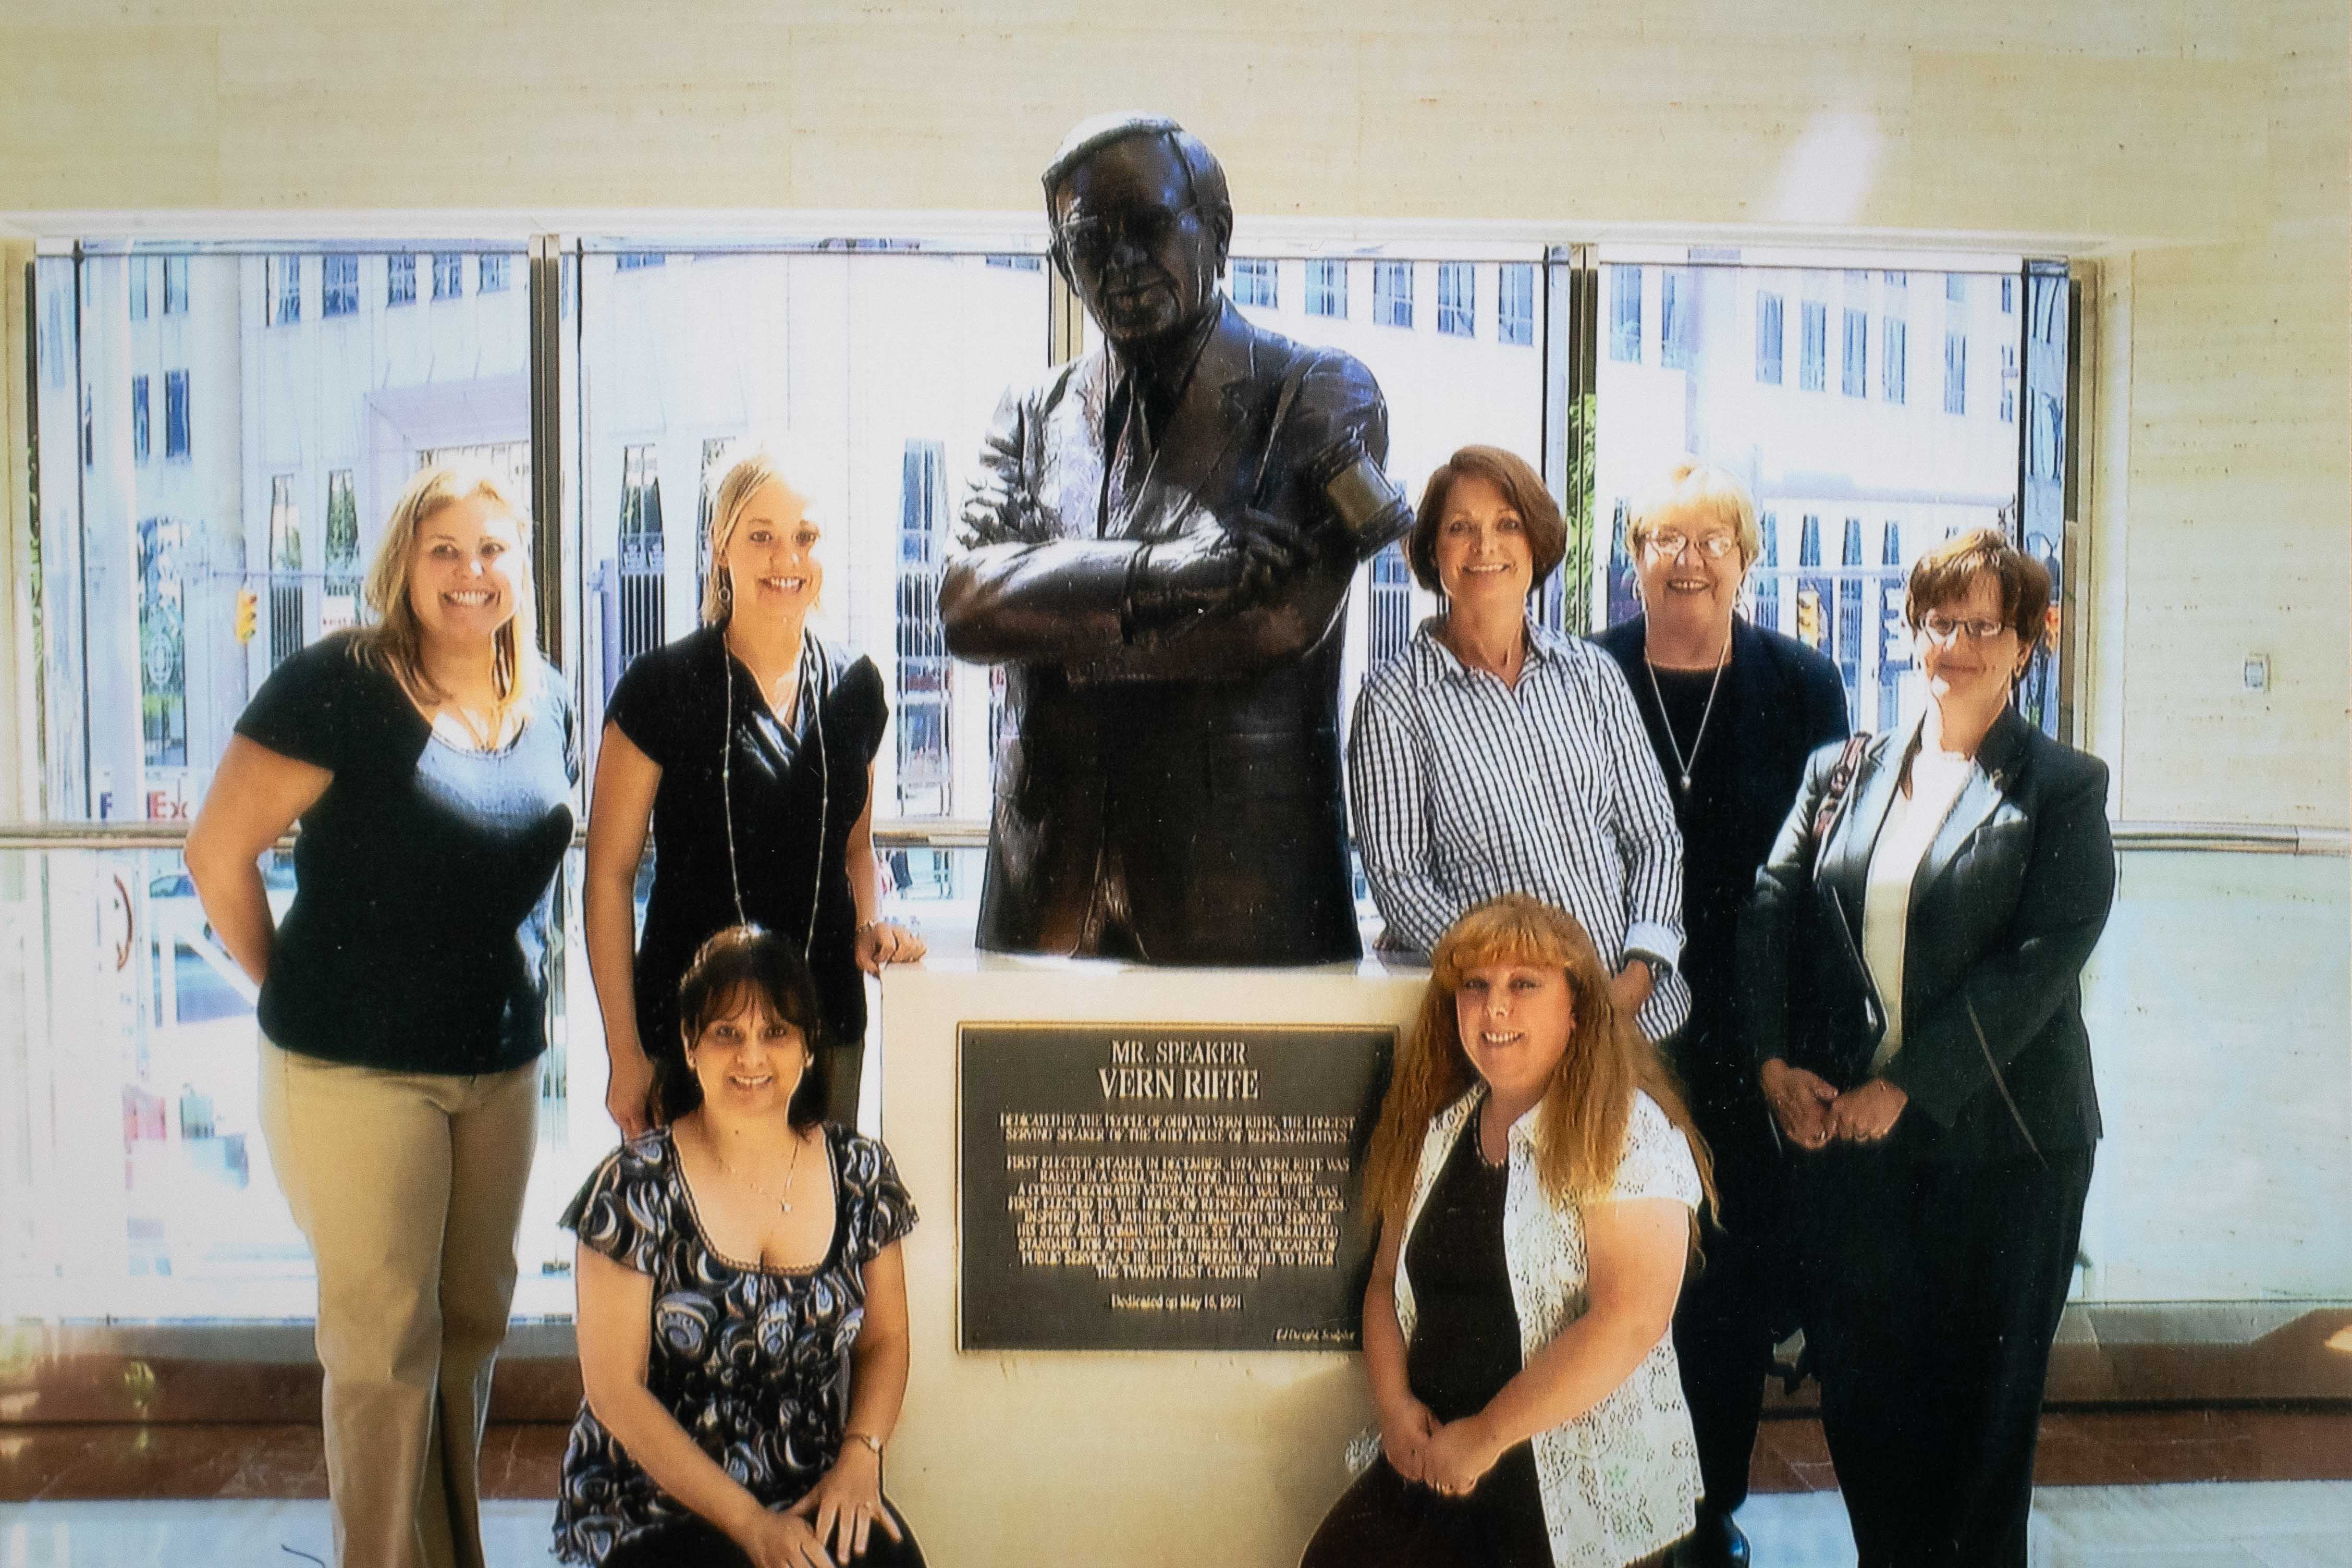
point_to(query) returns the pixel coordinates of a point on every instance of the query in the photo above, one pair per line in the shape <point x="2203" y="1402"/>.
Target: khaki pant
<point x="410" y="1188"/>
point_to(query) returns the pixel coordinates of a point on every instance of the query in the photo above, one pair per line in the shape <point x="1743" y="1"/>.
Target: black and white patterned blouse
<point x="753" y="1360"/>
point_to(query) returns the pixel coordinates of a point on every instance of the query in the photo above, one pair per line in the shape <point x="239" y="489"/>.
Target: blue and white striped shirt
<point x="1465" y="789"/>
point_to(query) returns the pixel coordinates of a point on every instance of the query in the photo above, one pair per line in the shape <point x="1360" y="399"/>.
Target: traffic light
<point x="248" y="608"/>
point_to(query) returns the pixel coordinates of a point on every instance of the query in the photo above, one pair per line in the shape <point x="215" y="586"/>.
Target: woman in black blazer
<point x="1912" y="959"/>
<point x="1732" y="711"/>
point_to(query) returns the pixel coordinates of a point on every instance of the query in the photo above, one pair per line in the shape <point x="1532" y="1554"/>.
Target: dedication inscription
<point x="1151" y="1187"/>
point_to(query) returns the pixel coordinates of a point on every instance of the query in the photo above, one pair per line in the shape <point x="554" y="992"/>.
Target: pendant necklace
<point x="1683" y="764"/>
<point x="784" y="1203"/>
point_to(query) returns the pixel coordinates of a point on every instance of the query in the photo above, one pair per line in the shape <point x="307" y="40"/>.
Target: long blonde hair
<point x="395" y="642"/>
<point x="1580" y="1123"/>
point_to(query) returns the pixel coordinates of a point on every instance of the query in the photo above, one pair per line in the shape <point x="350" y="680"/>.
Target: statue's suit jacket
<point x="1189" y="773"/>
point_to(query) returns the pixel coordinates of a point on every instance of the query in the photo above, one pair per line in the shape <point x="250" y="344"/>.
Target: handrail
<point x="971" y="833"/>
<point x="925" y="833"/>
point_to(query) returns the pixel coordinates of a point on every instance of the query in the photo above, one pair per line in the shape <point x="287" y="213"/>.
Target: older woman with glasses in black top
<point x="1732" y="711"/>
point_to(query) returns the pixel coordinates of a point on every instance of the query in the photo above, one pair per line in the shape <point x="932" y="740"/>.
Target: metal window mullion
<point x="545" y="285"/>
<point x="1569" y="330"/>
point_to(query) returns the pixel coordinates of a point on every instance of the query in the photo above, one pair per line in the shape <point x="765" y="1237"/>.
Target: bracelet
<point x="863" y="927"/>
<point x="868" y="1438"/>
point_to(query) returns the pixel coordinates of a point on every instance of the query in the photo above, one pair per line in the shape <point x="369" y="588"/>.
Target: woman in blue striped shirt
<point x="1494" y="756"/>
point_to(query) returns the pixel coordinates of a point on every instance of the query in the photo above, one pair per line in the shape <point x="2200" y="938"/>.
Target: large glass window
<point x="1859" y="486"/>
<point x="287" y="436"/>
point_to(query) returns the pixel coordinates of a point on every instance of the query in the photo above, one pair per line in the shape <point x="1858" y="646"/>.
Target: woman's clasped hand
<point x="1812" y="1112"/>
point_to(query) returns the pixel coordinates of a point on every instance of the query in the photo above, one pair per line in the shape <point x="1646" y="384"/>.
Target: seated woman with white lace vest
<point x="1538" y="1184"/>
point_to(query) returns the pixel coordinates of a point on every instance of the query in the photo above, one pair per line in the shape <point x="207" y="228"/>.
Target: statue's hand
<point x="1271" y="551"/>
<point x="1242" y="562"/>
<point x="995" y="513"/>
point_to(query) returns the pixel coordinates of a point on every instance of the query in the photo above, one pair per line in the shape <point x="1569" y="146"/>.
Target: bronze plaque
<point x="1143" y="1186"/>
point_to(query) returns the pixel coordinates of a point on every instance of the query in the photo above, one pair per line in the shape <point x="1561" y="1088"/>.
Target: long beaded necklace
<point x="1683" y="764"/>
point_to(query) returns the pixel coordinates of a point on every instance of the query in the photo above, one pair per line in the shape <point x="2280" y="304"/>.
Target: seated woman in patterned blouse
<point x="729" y="1264"/>
<point x="1536" y="1181"/>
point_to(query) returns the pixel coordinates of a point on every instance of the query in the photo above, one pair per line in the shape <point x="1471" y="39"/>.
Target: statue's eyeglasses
<point x="1088" y="241"/>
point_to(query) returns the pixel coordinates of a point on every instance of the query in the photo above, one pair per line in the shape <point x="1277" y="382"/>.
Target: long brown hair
<point x="1580" y="1123"/>
<point x="396" y="642"/>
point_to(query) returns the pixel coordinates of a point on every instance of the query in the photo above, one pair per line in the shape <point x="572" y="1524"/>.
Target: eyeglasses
<point x="1088" y="241"/>
<point x="1670" y="546"/>
<point x="1944" y="629"/>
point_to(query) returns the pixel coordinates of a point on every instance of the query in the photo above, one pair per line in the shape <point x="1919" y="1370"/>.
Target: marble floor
<point x="2240" y="1524"/>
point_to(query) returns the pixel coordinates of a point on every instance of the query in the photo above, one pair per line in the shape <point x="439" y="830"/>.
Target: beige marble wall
<point x="2200" y="148"/>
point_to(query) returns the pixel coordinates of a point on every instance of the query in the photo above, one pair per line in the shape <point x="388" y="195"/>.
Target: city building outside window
<point x="285" y="291"/>
<point x="1955" y="373"/>
<point x="925" y="671"/>
<point x="2008" y="382"/>
<point x="1769" y="337"/>
<point x="400" y="279"/>
<point x="138" y="288"/>
<point x="1327" y="288"/>
<point x="339" y="285"/>
<point x="1391" y="607"/>
<point x="1625" y="315"/>
<point x="175" y="413"/>
<point x="284" y="571"/>
<point x="642" y="555"/>
<point x="448" y="274"/>
<point x="1514" y="303"/>
<point x="1894" y="346"/>
<point x="1813" y="369"/>
<point x="138" y="418"/>
<point x="1457" y="300"/>
<point x="2009" y="296"/>
<point x="1677" y="319"/>
<point x="175" y="285"/>
<point x="1854" y="379"/>
<point x="1254" y="282"/>
<point x="338" y="599"/>
<point x="162" y="644"/>
<point x="490" y="274"/>
<point x="1392" y="293"/>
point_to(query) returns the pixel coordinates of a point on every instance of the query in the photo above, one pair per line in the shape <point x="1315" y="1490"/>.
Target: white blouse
<point x="1621" y="1481"/>
<point x="1912" y="820"/>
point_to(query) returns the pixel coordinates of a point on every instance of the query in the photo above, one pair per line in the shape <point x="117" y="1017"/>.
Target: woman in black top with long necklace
<point x="748" y="747"/>
<point x="1732" y="711"/>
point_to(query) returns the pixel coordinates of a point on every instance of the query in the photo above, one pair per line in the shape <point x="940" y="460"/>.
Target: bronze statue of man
<point x="1157" y="550"/>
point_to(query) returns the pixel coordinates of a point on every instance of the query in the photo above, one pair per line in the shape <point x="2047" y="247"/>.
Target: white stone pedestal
<point x="1108" y="1459"/>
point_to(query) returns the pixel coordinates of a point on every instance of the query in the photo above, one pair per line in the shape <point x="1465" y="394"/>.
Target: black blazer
<point x="2009" y="901"/>
<point x="1781" y="701"/>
